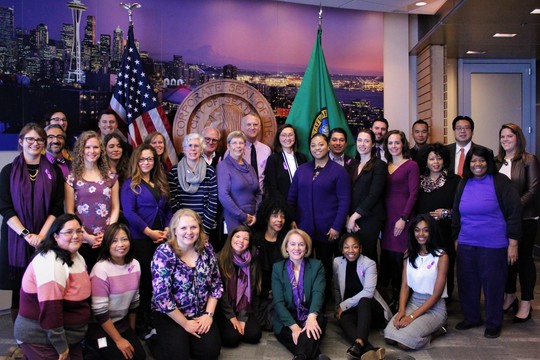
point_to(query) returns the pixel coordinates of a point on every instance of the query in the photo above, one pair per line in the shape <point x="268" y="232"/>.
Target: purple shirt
<point x="480" y="210"/>
<point x="177" y="286"/>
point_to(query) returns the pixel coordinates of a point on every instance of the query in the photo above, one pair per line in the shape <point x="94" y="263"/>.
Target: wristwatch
<point x="211" y="314"/>
<point x="24" y="233"/>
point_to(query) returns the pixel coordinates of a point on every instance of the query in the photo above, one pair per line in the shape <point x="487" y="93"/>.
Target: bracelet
<point x="411" y="316"/>
<point x="211" y="314"/>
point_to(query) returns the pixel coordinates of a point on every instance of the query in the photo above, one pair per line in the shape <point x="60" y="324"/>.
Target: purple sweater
<point x="480" y="210"/>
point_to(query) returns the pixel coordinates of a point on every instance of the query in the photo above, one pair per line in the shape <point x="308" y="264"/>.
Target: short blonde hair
<point x="236" y="134"/>
<point x="171" y="236"/>
<point x="303" y="235"/>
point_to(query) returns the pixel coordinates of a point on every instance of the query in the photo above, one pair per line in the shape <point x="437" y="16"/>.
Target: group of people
<point x="261" y="240"/>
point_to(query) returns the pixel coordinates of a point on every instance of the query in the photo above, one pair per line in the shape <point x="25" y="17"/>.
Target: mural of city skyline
<point x="264" y="43"/>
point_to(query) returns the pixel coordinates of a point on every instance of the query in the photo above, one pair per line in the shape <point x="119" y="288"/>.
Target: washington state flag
<point x="315" y="108"/>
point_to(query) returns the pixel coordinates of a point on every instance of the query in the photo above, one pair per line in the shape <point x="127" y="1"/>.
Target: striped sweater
<point x="115" y="292"/>
<point x="203" y="202"/>
<point x="54" y="308"/>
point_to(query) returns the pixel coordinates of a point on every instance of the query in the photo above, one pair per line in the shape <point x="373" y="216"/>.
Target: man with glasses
<point x="212" y="137"/>
<point x="463" y="127"/>
<point x="55" y="151"/>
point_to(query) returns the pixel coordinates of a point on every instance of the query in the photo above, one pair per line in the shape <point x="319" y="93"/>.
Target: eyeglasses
<point x="459" y="128"/>
<point x="71" y="232"/>
<point x="58" y="119"/>
<point x="210" y="140"/>
<point x="143" y="160"/>
<point x="31" y="140"/>
<point x="57" y="137"/>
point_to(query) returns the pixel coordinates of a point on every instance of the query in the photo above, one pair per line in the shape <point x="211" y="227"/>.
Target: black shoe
<point x="466" y="326"/>
<point x="492" y="333"/>
<point x="355" y="351"/>
<point x="514" y="306"/>
<point x="518" y="320"/>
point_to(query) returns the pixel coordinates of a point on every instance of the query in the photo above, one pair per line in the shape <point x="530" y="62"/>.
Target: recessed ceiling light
<point x="421" y="3"/>
<point x="475" y="52"/>
<point x="535" y="11"/>
<point x="504" y="35"/>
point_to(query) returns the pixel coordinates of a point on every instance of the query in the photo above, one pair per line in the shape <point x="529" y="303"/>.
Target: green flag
<point x="315" y="108"/>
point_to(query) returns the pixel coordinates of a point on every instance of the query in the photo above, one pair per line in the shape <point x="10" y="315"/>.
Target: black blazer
<point x="452" y="149"/>
<point x="276" y="174"/>
<point x="368" y="191"/>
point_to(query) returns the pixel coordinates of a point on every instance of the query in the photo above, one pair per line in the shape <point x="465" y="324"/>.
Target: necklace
<point x="33" y="176"/>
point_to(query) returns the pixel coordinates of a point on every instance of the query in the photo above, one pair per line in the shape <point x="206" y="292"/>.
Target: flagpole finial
<point x="129" y="7"/>
<point x="320" y="17"/>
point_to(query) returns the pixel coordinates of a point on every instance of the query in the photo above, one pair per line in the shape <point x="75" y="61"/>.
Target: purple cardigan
<point x="141" y="210"/>
<point x="321" y="204"/>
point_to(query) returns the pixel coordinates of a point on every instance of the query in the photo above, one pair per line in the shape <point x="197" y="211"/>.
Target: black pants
<point x="309" y="347"/>
<point x="324" y="251"/>
<point x="358" y="321"/>
<point x="230" y="337"/>
<point x="391" y="271"/>
<point x="369" y="235"/>
<point x="143" y="251"/>
<point x="111" y="351"/>
<point x="525" y="263"/>
<point x="173" y="342"/>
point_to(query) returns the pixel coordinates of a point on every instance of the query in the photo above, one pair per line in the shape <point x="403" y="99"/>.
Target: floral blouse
<point x="176" y="285"/>
<point x="93" y="202"/>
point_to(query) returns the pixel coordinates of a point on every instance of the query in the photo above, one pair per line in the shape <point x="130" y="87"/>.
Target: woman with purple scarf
<point x="298" y="284"/>
<point x="32" y="197"/>
<point x="242" y="282"/>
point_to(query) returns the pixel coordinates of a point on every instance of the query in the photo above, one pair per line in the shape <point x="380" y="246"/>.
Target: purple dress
<point x="93" y="202"/>
<point x="401" y="194"/>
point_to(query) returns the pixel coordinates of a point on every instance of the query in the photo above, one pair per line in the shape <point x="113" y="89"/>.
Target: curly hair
<point x="77" y="167"/>
<point x="157" y="175"/>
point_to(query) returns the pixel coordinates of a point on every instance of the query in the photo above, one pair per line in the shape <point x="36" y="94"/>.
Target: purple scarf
<point x="298" y="291"/>
<point x="239" y="284"/>
<point x="31" y="210"/>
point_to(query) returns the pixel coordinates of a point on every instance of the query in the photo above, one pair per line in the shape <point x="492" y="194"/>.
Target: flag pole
<point x="320" y="17"/>
<point x="129" y="7"/>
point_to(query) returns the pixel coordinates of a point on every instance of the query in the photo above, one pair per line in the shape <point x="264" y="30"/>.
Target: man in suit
<point x="256" y="153"/>
<point x="338" y="143"/>
<point x="420" y="133"/>
<point x="463" y="127"/>
<point x="380" y="128"/>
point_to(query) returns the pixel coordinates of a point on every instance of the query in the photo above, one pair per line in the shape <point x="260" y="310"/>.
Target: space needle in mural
<point x="76" y="73"/>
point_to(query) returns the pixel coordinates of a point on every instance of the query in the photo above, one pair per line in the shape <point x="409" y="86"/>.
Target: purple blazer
<point x="141" y="209"/>
<point x="321" y="204"/>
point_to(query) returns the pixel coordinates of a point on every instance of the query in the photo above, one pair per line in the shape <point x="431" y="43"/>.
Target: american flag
<point x="136" y="103"/>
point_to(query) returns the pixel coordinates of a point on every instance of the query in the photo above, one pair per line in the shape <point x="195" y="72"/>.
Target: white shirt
<point x="466" y="149"/>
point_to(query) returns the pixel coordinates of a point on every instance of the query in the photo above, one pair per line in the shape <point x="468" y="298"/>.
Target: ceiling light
<point x="504" y="35"/>
<point x="535" y="11"/>
<point x="475" y="52"/>
<point x="421" y="3"/>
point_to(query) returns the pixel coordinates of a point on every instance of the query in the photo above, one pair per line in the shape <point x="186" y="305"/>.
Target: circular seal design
<point x="222" y="104"/>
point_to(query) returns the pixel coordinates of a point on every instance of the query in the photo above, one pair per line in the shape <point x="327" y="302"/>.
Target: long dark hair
<point x="108" y="237"/>
<point x="225" y="256"/>
<point x="433" y="242"/>
<point x="50" y="242"/>
<point x="123" y="162"/>
<point x="277" y="144"/>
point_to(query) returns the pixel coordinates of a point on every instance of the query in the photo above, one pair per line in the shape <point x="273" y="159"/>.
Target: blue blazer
<point x="314" y="285"/>
<point x="321" y="204"/>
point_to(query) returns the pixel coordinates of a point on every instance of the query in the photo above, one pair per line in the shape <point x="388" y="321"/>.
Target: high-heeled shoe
<point x="514" y="306"/>
<point x="518" y="320"/>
